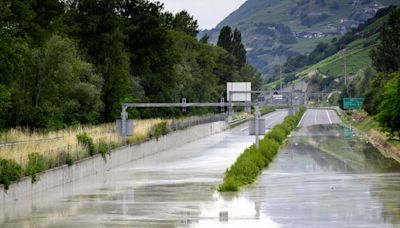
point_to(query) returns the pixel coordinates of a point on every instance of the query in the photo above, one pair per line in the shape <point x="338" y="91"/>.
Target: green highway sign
<point x="348" y="133"/>
<point x="352" y="103"/>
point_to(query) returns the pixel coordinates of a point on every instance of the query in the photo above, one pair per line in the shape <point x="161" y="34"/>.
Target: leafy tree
<point x="205" y="39"/>
<point x="184" y="22"/>
<point x="374" y="93"/>
<point x="225" y="38"/>
<point x="99" y="30"/>
<point x="238" y="49"/>
<point x="386" y="57"/>
<point x="54" y="75"/>
<point x="389" y="114"/>
<point x="5" y="99"/>
<point x="151" y="44"/>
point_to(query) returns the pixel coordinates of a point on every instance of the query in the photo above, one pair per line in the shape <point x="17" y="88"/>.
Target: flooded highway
<point x="324" y="177"/>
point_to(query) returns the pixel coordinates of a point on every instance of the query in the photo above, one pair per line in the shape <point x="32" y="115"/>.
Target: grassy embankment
<point x="371" y="129"/>
<point x="252" y="161"/>
<point x="27" y="153"/>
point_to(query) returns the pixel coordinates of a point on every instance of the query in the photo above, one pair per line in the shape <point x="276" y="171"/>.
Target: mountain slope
<point x="327" y="67"/>
<point x="274" y="30"/>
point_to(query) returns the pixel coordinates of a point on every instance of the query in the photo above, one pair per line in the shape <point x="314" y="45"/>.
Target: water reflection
<point x="322" y="178"/>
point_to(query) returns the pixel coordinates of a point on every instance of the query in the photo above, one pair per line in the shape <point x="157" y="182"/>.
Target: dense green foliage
<point x="68" y="62"/>
<point x="69" y="160"/>
<point x="252" y="161"/>
<point x="37" y="163"/>
<point x="232" y="42"/>
<point x="10" y="171"/>
<point x="389" y="115"/>
<point x="103" y="149"/>
<point x="383" y="93"/>
<point x="160" y="129"/>
<point x="386" y="56"/>
<point x="85" y="140"/>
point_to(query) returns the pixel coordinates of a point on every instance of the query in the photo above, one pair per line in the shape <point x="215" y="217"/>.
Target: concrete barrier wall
<point x="96" y="164"/>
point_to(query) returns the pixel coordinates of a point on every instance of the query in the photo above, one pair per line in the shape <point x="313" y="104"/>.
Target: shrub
<point x="69" y="160"/>
<point x="10" y="171"/>
<point x="87" y="141"/>
<point x="278" y="134"/>
<point x="160" y="129"/>
<point x="103" y="149"/>
<point x="251" y="162"/>
<point x="229" y="185"/>
<point x="37" y="163"/>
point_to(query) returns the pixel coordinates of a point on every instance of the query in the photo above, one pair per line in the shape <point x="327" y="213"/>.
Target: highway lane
<point x="173" y="188"/>
<point x="318" y="117"/>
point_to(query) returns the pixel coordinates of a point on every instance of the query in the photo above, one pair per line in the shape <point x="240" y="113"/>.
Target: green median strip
<point x="252" y="161"/>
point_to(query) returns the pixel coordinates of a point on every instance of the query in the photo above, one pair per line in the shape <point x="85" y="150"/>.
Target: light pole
<point x="345" y="66"/>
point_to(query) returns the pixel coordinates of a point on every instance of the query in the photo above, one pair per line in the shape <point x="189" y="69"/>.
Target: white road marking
<point x="329" y="118"/>
<point x="301" y="120"/>
<point x="244" y="129"/>
<point x="315" y="118"/>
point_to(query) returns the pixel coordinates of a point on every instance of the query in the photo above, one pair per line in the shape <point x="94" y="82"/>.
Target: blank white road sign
<point x="235" y="87"/>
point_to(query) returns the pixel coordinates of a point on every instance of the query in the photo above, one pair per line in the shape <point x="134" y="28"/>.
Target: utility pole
<point x="345" y="67"/>
<point x="280" y="78"/>
<point x="257" y="116"/>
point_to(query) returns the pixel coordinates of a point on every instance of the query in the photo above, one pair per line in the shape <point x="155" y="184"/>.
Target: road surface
<point x="319" y="116"/>
<point x="320" y="179"/>
<point x="166" y="190"/>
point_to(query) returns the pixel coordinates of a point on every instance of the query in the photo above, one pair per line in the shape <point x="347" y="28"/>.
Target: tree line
<point x="69" y="62"/>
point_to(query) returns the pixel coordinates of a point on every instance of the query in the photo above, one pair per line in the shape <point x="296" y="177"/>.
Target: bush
<point x="252" y="161"/>
<point x="103" y="149"/>
<point x="229" y="185"/>
<point x="87" y="141"/>
<point x="277" y="134"/>
<point x="10" y="171"/>
<point x="69" y="160"/>
<point x="160" y="129"/>
<point x="37" y="163"/>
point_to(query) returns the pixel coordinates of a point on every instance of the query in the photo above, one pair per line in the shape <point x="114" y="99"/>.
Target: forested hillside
<point x="75" y="62"/>
<point x="274" y="30"/>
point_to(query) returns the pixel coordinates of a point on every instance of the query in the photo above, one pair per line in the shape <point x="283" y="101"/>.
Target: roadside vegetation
<point x="373" y="73"/>
<point x="252" y="161"/>
<point x="27" y="153"/>
<point x="64" y="63"/>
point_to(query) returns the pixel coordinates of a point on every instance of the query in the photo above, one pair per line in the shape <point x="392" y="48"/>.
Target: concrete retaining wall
<point x="96" y="164"/>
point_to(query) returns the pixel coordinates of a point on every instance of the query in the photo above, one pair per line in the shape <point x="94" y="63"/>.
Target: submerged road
<point x="170" y="189"/>
<point x="320" y="179"/>
<point x="318" y="117"/>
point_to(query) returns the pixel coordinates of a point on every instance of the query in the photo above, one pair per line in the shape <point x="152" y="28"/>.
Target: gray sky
<point x="208" y="13"/>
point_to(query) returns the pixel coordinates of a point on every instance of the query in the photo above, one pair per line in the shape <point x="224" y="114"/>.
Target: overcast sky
<point x="208" y="13"/>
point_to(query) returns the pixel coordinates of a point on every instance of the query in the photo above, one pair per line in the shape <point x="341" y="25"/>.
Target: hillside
<point x="323" y="70"/>
<point x="274" y="30"/>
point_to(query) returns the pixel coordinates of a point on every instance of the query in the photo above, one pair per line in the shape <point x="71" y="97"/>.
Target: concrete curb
<point x="91" y="166"/>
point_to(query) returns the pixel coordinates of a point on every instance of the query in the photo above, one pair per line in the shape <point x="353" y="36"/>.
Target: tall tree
<point x="389" y="115"/>
<point x="150" y="42"/>
<point x="238" y="49"/>
<point x="99" y="28"/>
<point x="386" y="56"/>
<point x="225" y="39"/>
<point x="184" y="22"/>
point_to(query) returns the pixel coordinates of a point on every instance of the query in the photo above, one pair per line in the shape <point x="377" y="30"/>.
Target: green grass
<point x="367" y="125"/>
<point x="252" y="161"/>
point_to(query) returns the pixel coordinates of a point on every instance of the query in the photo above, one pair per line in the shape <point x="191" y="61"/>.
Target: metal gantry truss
<point x="222" y="104"/>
